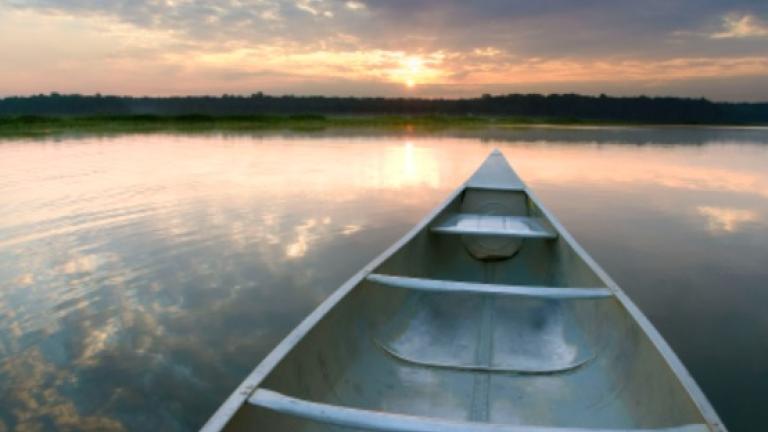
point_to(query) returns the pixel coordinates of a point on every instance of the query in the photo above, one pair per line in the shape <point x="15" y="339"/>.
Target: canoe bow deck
<point x="486" y="316"/>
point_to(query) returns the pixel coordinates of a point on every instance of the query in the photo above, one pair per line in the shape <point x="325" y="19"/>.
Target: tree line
<point x="640" y="109"/>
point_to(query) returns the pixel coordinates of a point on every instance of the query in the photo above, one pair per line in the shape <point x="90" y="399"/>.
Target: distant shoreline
<point x="262" y="111"/>
<point x="54" y="125"/>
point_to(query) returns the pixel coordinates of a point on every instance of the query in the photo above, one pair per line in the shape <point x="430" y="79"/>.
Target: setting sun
<point x="412" y="70"/>
<point x="414" y="64"/>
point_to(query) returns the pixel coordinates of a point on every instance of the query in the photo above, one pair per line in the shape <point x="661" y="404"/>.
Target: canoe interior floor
<point x="430" y="358"/>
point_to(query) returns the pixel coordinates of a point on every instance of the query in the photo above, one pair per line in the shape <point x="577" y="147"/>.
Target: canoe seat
<point x="532" y="336"/>
<point x="493" y="225"/>
<point x="447" y="286"/>
<point x="355" y="418"/>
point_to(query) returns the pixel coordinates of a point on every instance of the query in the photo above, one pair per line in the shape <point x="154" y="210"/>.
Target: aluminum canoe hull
<point x="486" y="316"/>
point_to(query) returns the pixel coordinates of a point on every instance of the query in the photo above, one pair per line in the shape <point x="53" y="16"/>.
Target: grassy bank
<point x="41" y="126"/>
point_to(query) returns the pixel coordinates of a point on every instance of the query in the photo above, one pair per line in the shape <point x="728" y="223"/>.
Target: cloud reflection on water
<point x="727" y="220"/>
<point x="202" y="233"/>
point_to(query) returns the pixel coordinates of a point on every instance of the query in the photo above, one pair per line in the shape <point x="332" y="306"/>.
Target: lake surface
<point x="143" y="276"/>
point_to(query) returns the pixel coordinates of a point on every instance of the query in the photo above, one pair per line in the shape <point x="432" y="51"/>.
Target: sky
<point x="421" y="48"/>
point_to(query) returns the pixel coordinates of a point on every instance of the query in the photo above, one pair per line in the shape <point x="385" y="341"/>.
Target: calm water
<point x="142" y="277"/>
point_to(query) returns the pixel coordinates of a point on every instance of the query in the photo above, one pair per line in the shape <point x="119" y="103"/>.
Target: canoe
<point x="486" y="316"/>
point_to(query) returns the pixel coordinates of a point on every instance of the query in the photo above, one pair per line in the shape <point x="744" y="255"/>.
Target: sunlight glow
<point x="412" y="68"/>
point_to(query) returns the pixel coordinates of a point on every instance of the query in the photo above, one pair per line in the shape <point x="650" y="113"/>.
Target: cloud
<point x="368" y="47"/>
<point x="544" y="27"/>
<point x="742" y="26"/>
<point x="355" y="5"/>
